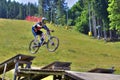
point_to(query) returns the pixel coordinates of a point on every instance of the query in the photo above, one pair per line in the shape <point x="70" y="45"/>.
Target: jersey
<point x="38" y="26"/>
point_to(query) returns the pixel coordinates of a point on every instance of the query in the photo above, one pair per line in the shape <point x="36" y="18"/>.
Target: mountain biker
<point x="36" y="30"/>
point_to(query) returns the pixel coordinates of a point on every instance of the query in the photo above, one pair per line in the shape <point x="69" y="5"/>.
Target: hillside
<point x="84" y="52"/>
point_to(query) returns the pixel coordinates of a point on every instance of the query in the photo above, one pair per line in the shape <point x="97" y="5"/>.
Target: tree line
<point x="54" y="10"/>
<point x="14" y="10"/>
<point x="100" y="17"/>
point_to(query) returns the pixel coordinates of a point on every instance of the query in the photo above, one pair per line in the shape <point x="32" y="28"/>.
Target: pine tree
<point x="40" y="9"/>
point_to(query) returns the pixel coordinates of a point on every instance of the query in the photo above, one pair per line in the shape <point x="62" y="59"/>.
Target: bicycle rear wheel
<point x="52" y="44"/>
<point x="33" y="46"/>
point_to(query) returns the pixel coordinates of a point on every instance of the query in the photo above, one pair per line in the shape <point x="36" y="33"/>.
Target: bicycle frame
<point x="45" y="36"/>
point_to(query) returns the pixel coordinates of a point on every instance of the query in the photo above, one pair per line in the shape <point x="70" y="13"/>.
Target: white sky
<point x="70" y="2"/>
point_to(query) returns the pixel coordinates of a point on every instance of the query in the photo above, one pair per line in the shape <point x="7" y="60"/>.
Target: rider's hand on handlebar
<point x="52" y="30"/>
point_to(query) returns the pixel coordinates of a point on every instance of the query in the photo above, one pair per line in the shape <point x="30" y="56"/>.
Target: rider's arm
<point x="47" y="29"/>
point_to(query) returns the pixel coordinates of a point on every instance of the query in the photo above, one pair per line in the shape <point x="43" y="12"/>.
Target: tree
<point x="82" y="22"/>
<point x="40" y="7"/>
<point x="54" y="10"/>
<point x="76" y="11"/>
<point x="3" y="8"/>
<point x="79" y="15"/>
<point x="114" y="14"/>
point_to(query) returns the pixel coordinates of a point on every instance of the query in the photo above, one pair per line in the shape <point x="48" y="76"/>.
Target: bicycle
<point x="51" y="43"/>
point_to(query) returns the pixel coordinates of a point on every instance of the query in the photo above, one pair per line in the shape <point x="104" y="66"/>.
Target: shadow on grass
<point x="71" y="51"/>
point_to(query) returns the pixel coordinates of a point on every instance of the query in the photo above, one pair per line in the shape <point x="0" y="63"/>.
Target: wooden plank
<point x="58" y="65"/>
<point x="91" y="76"/>
<point x="40" y="71"/>
<point x="37" y="74"/>
<point x="102" y="70"/>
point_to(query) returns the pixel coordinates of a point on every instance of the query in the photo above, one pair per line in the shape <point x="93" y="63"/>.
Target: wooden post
<point x="18" y="63"/>
<point x="15" y="72"/>
<point x="4" y="71"/>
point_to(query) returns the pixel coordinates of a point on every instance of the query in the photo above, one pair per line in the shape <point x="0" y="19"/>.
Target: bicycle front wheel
<point x="33" y="47"/>
<point x="52" y="44"/>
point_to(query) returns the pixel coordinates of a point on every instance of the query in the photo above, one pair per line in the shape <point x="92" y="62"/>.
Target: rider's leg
<point x="35" y="35"/>
<point x="40" y="33"/>
<point x="41" y="38"/>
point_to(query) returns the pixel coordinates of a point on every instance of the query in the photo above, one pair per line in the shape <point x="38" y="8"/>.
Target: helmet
<point x="44" y="20"/>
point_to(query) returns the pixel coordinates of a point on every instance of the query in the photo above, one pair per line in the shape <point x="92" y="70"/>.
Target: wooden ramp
<point x="72" y="75"/>
<point x="57" y="69"/>
<point x="60" y="70"/>
<point x="38" y="74"/>
<point x="10" y="63"/>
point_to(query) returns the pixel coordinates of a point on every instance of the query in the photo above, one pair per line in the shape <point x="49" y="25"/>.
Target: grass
<point x="48" y="78"/>
<point x="84" y="52"/>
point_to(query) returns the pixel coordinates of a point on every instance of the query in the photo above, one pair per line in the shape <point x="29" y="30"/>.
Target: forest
<point x="14" y="10"/>
<point x="98" y="18"/>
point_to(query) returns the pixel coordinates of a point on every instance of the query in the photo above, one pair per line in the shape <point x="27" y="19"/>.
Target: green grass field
<point x="83" y="51"/>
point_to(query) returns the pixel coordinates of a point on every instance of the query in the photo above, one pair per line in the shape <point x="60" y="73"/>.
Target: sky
<point x="70" y="2"/>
